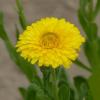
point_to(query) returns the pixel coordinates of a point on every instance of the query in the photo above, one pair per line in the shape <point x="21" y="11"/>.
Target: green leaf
<point x="83" y="88"/>
<point x="27" y="68"/>
<point x="64" y="78"/>
<point x="42" y="96"/>
<point x="86" y="19"/>
<point x="89" y="28"/>
<point x="30" y="94"/>
<point x="21" y="14"/>
<point x="84" y="22"/>
<point x="94" y="30"/>
<point x="90" y="10"/>
<point x="61" y="75"/>
<point x="97" y="8"/>
<point x="86" y="7"/>
<point x="22" y="92"/>
<point x="46" y="73"/>
<point x="72" y="95"/>
<point x="3" y="34"/>
<point x="37" y="80"/>
<point x="64" y="88"/>
<point x="99" y="46"/>
<point x="64" y="91"/>
<point x="17" y="33"/>
<point x="89" y="53"/>
<point x="79" y="63"/>
<point x="82" y="7"/>
<point x="92" y="47"/>
<point x="47" y="80"/>
<point x="35" y="92"/>
<point x="94" y="82"/>
<point x="35" y="87"/>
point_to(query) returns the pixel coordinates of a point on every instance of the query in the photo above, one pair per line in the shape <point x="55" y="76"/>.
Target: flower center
<point x="49" y="40"/>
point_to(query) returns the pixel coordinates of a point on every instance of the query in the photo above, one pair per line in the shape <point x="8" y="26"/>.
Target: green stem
<point x="55" y="87"/>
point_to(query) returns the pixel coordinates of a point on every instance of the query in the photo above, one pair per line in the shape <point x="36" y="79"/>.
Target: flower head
<point x="50" y="42"/>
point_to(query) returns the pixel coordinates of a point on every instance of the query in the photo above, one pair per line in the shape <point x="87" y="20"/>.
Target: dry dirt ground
<point x="10" y="76"/>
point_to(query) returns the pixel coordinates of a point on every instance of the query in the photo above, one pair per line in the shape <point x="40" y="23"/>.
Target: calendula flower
<point x="50" y="42"/>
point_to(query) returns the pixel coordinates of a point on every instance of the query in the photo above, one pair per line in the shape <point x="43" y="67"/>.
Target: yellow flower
<point x="50" y="42"/>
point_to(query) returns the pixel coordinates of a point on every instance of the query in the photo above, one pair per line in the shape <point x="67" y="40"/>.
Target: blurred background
<point x="10" y="76"/>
